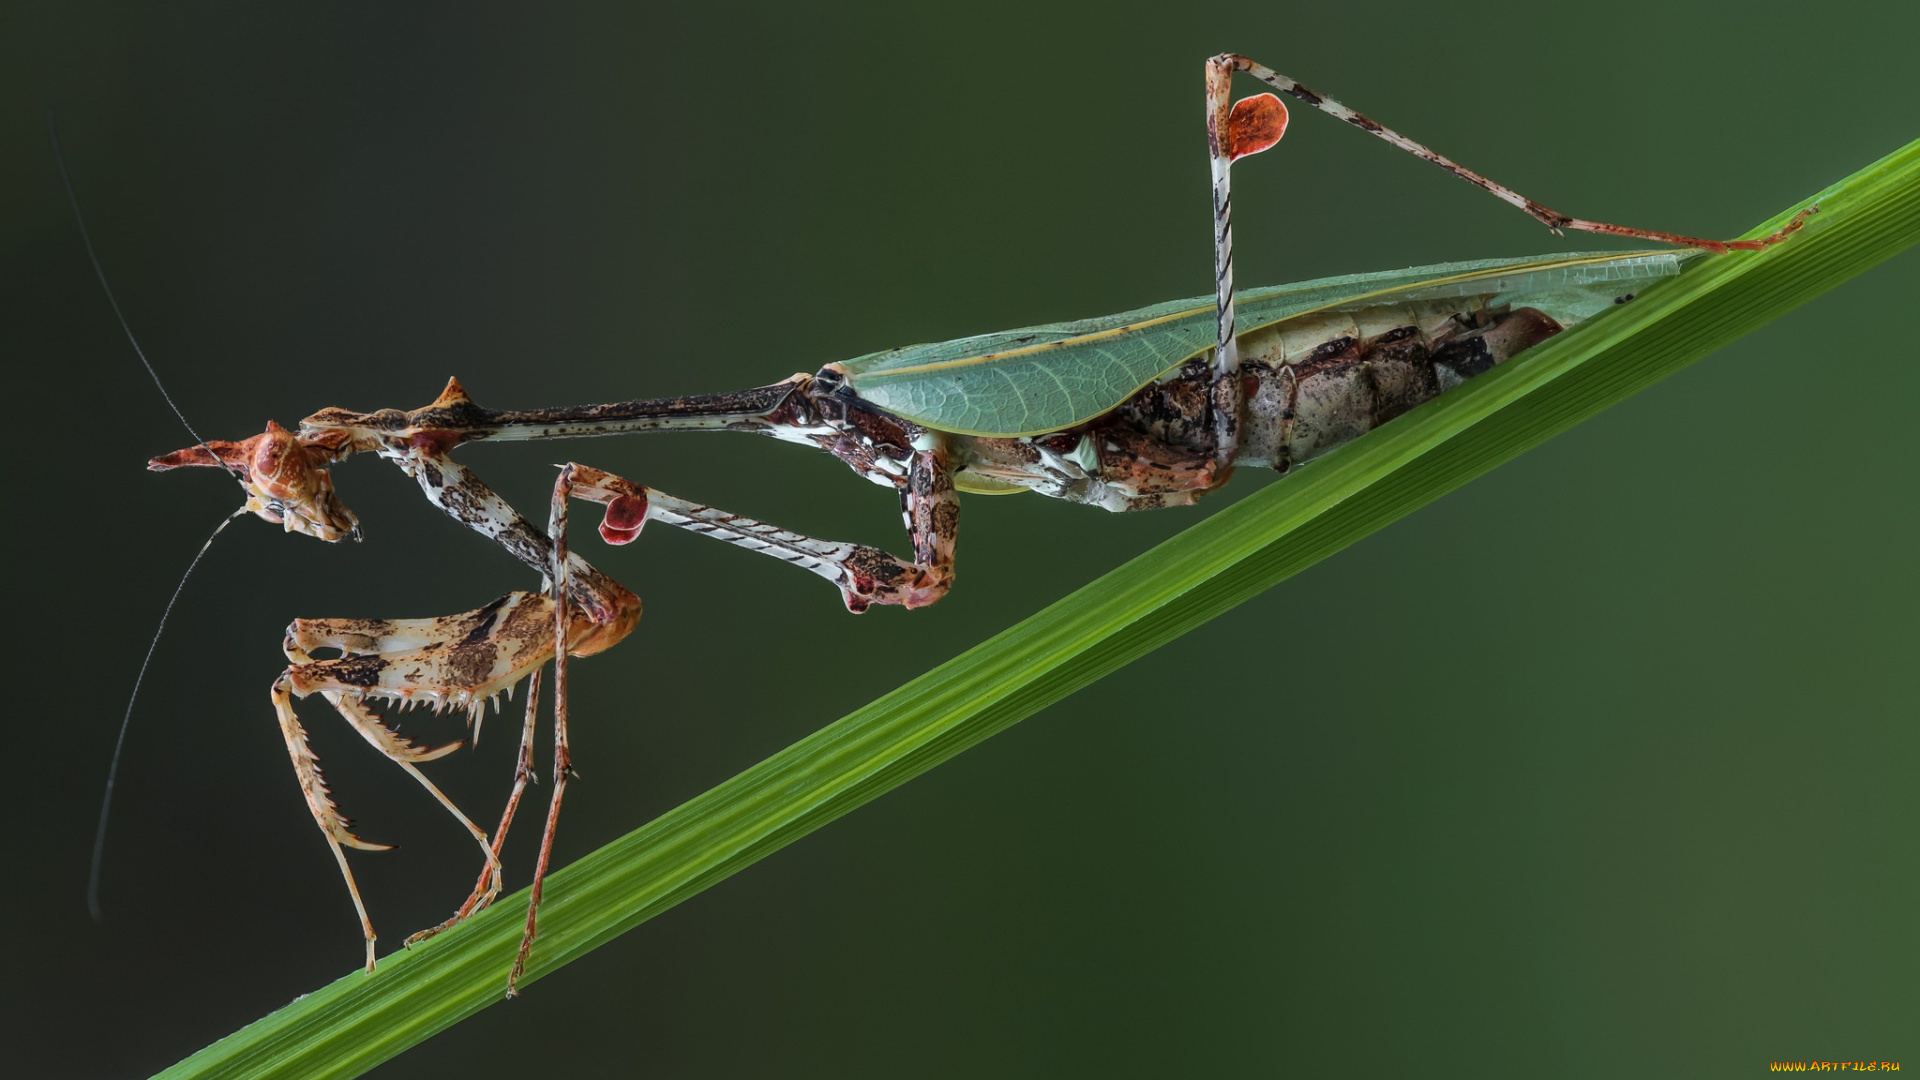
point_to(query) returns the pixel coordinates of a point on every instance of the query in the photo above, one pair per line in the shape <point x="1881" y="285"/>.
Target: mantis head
<point x="285" y="477"/>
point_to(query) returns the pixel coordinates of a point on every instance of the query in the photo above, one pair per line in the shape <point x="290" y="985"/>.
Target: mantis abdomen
<point x="1310" y="384"/>
<point x="1318" y="382"/>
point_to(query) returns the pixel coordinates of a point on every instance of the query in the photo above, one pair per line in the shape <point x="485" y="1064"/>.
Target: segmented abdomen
<point x="1316" y="382"/>
<point x="1310" y="383"/>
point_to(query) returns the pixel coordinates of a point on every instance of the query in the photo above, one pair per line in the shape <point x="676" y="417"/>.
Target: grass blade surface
<point x="360" y="1021"/>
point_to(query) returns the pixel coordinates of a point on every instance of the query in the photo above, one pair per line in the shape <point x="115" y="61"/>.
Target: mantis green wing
<point x="1046" y="378"/>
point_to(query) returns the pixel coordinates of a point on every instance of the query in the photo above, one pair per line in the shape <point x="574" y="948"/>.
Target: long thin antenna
<point x="73" y="200"/>
<point x="126" y="720"/>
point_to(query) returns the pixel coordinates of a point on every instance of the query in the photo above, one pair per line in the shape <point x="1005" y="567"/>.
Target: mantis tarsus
<point x="1143" y="409"/>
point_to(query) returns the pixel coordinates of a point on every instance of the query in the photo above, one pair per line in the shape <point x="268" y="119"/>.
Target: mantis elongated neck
<point x="454" y="417"/>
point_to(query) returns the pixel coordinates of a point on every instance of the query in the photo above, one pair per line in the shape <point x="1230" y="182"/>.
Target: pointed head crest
<point x="285" y="476"/>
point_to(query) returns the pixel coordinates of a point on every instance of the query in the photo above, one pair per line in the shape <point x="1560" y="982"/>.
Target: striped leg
<point x="865" y="575"/>
<point x="1226" y="394"/>
<point x="1233" y="131"/>
<point x="1553" y="219"/>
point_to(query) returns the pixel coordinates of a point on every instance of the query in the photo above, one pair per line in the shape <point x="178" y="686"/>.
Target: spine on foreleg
<point x="1317" y="386"/>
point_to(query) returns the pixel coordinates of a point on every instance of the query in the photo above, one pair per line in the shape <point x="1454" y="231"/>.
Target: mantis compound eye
<point x="285" y="478"/>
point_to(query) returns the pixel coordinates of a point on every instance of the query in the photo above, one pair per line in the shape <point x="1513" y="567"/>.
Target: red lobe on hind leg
<point x="1255" y="124"/>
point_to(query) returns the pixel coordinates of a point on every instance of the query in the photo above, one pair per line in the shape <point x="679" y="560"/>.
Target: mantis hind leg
<point x="1225" y="394"/>
<point x="1553" y="219"/>
<point x="1236" y="130"/>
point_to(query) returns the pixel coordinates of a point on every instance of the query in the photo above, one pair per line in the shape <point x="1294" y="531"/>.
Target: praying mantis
<point x="1145" y="409"/>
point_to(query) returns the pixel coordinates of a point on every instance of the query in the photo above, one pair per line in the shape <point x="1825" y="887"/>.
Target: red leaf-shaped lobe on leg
<point x="1255" y="124"/>
<point x="625" y="515"/>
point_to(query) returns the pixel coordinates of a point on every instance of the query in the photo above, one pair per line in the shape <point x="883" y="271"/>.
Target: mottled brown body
<point x="1305" y="386"/>
<point x="1309" y="385"/>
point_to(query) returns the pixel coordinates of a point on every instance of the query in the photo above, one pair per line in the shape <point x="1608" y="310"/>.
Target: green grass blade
<point x="360" y="1021"/>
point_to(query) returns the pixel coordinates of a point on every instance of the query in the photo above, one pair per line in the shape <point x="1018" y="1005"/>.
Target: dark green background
<point x="1601" y="766"/>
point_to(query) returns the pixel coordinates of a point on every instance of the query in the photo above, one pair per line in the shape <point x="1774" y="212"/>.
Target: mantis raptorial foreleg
<point x="459" y="661"/>
<point x="304" y="635"/>
<point x="462" y="660"/>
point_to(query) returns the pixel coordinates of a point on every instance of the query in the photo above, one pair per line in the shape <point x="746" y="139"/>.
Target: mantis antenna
<point x="120" y="741"/>
<point x="126" y="721"/>
<point x="86" y="240"/>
